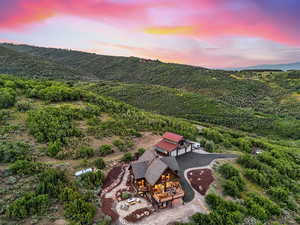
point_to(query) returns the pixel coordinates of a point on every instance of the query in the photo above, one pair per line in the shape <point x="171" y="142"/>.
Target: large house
<point x="173" y="145"/>
<point x="156" y="177"/>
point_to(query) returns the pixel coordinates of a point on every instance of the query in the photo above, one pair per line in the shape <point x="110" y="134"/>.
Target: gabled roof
<point x="148" y="155"/>
<point x="173" y="137"/>
<point x="139" y="169"/>
<point x="155" y="170"/>
<point x="165" y="145"/>
<point x="154" y="167"/>
<point x="171" y="162"/>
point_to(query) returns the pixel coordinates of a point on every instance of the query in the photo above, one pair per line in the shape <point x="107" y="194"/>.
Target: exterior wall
<point x="181" y="151"/>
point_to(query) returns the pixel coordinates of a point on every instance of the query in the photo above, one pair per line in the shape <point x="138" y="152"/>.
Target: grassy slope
<point x="13" y="62"/>
<point x="213" y="96"/>
<point x="214" y="83"/>
<point x="197" y="107"/>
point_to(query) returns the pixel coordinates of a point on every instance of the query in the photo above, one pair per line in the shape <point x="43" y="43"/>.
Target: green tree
<point x="127" y="157"/>
<point x="7" y="97"/>
<point x="99" y="163"/>
<point x="80" y="211"/>
<point x="105" y="150"/>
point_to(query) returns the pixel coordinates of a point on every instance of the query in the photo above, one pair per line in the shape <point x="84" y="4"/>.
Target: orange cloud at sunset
<point x="166" y="30"/>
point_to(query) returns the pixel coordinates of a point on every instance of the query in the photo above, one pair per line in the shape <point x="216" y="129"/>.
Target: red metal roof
<point x="173" y="137"/>
<point x="167" y="146"/>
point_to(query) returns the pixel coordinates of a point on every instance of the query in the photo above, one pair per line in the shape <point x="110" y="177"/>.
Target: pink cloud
<point x="277" y="20"/>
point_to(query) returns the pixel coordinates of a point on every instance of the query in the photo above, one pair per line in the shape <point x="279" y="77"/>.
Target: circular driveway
<point x="192" y="160"/>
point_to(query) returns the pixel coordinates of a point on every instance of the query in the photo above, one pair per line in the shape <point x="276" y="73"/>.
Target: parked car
<point x="133" y="201"/>
<point x="196" y="145"/>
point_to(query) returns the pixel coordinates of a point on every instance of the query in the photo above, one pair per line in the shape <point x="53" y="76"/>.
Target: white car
<point x="132" y="201"/>
<point x="196" y="145"/>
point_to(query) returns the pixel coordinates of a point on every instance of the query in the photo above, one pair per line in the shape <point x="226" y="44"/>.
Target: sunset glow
<point x="212" y="33"/>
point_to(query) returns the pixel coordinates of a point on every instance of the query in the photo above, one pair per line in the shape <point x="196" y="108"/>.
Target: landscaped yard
<point x="116" y="206"/>
<point x="200" y="179"/>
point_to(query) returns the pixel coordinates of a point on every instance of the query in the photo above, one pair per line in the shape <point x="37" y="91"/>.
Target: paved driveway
<point x="191" y="160"/>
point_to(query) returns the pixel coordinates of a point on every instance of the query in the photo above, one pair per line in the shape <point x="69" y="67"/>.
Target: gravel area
<point x="132" y="208"/>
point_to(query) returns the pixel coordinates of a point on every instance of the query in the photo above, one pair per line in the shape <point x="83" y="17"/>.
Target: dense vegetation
<point x="264" y="102"/>
<point x="23" y="64"/>
<point x="45" y="119"/>
<point x="57" y="120"/>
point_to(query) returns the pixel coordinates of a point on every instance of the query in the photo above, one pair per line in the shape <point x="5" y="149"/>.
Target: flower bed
<point x="138" y="214"/>
<point x="113" y="179"/>
<point x="112" y="175"/>
<point x="107" y="204"/>
<point x="200" y="179"/>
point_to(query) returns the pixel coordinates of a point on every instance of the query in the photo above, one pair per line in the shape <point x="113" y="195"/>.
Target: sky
<point x="210" y="33"/>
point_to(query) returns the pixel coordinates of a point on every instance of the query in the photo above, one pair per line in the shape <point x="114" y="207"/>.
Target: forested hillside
<point x="48" y="131"/>
<point x="264" y="103"/>
<point x="12" y="62"/>
<point x="198" y="107"/>
<point x="219" y="84"/>
<point x="51" y="129"/>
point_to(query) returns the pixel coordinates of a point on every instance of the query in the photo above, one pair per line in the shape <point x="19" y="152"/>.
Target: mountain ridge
<point x="281" y="66"/>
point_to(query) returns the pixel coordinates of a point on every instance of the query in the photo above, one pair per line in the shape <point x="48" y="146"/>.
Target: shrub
<point x="93" y="121"/>
<point x="68" y="194"/>
<point x="54" y="148"/>
<point x="12" y="151"/>
<point x="7" y="97"/>
<point x="25" y="167"/>
<point x="27" y="205"/>
<point x="52" y="182"/>
<point x="23" y="106"/>
<point x="256" y="211"/>
<point x="105" y="150"/>
<point x="278" y="194"/>
<point x="223" y="212"/>
<point x="92" y="179"/>
<point x="127" y="157"/>
<point x="217" y="203"/>
<point x="141" y="151"/>
<point x="210" y="146"/>
<point x="261" y="207"/>
<point x="4" y="116"/>
<point x="90" y="111"/>
<point x="213" y="135"/>
<point x="80" y="211"/>
<point x="52" y="124"/>
<point x="10" y="84"/>
<point x="126" y="195"/>
<point x="244" y="144"/>
<point x="85" y="152"/>
<point x="59" y="93"/>
<point x="123" y="145"/>
<point x="230" y="188"/>
<point x="228" y="171"/>
<point x="99" y="163"/>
